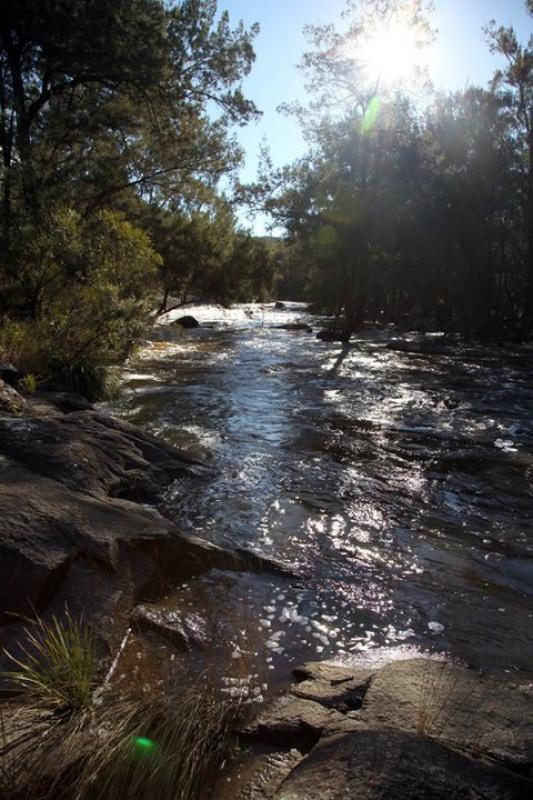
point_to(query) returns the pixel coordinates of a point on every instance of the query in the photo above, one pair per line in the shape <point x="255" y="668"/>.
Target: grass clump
<point x="156" y="741"/>
<point x="57" y="665"/>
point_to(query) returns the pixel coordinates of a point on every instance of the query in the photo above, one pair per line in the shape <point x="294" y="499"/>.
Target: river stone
<point x="185" y="630"/>
<point x="453" y="704"/>
<point x="293" y="722"/>
<point x="187" y="322"/>
<point x="396" y="765"/>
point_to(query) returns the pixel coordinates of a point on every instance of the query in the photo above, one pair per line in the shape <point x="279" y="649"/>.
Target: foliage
<point x="57" y="664"/>
<point x="115" y="130"/>
<point x="89" y="281"/>
<point x="416" y="213"/>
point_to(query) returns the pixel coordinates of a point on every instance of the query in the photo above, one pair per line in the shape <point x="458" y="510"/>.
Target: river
<point x="398" y="486"/>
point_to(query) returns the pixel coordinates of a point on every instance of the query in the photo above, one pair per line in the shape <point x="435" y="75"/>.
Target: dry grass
<point x="148" y="742"/>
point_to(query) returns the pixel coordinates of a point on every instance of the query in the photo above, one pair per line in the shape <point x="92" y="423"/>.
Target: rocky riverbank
<point x="76" y="530"/>
<point x="418" y="728"/>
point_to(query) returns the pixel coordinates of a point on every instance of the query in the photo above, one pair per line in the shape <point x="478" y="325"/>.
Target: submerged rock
<point x="295" y="326"/>
<point x="185" y="630"/>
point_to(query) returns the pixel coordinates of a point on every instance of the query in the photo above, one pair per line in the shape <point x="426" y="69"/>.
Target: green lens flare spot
<point x="370" y="116"/>
<point x="143" y="743"/>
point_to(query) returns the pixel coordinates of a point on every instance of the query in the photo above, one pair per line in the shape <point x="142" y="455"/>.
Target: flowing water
<point x="398" y="486"/>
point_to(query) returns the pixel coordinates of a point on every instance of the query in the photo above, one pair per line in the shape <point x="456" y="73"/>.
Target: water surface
<point x="399" y="485"/>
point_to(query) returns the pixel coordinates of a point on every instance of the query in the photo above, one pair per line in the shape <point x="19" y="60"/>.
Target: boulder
<point x="454" y="704"/>
<point x="11" y="402"/>
<point x="424" y="729"/>
<point x="333" y="335"/>
<point x="187" y="322"/>
<point x="279" y="305"/>
<point x="396" y="765"/>
<point x="94" y="453"/>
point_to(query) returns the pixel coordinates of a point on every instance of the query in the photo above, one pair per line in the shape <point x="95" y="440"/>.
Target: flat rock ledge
<point x="76" y="527"/>
<point x="422" y="729"/>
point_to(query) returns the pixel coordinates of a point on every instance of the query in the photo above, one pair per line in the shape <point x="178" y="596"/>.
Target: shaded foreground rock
<point x="395" y="765"/>
<point x="423" y="729"/>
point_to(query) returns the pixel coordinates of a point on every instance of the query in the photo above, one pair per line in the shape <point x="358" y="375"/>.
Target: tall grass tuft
<point x="57" y="664"/>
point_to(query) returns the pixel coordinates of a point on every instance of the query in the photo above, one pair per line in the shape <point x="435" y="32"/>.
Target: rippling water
<point x="400" y="485"/>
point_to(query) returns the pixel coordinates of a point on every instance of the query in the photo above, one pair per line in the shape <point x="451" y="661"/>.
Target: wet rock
<point x="333" y="335"/>
<point x="45" y="527"/>
<point x="260" y="777"/>
<point x="187" y="322"/>
<point x="185" y="630"/>
<point x="295" y="326"/>
<point x="455" y="705"/>
<point x="94" y="453"/>
<point x="278" y="304"/>
<point x="374" y="765"/>
<point x="11" y="401"/>
<point x="426" y="347"/>
<point x="293" y="722"/>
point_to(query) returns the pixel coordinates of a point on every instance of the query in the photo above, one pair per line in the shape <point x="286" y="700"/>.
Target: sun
<point x="390" y="54"/>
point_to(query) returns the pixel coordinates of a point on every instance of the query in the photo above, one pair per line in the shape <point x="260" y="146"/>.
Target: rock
<point x="455" y="705"/>
<point x="260" y="777"/>
<point x="10" y="400"/>
<point x="395" y="765"/>
<point x="45" y="527"/>
<point x="295" y="326"/>
<point x="278" y="304"/>
<point x="9" y="373"/>
<point x="331" y="672"/>
<point x="344" y="696"/>
<point x="293" y="722"/>
<point x="185" y="630"/>
<point x="426" y="347"/>
<point x="187" y="322"/>
<point x="333" y="335"/>
<point x="94" y="453"/>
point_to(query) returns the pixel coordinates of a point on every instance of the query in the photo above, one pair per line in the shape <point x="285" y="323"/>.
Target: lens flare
<point x="143" y="743"/>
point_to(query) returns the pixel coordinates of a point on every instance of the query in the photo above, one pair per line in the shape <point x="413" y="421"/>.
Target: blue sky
<point x="461" y="58"/>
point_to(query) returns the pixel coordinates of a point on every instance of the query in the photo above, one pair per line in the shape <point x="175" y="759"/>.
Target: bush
<point x="88" y="300"/>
